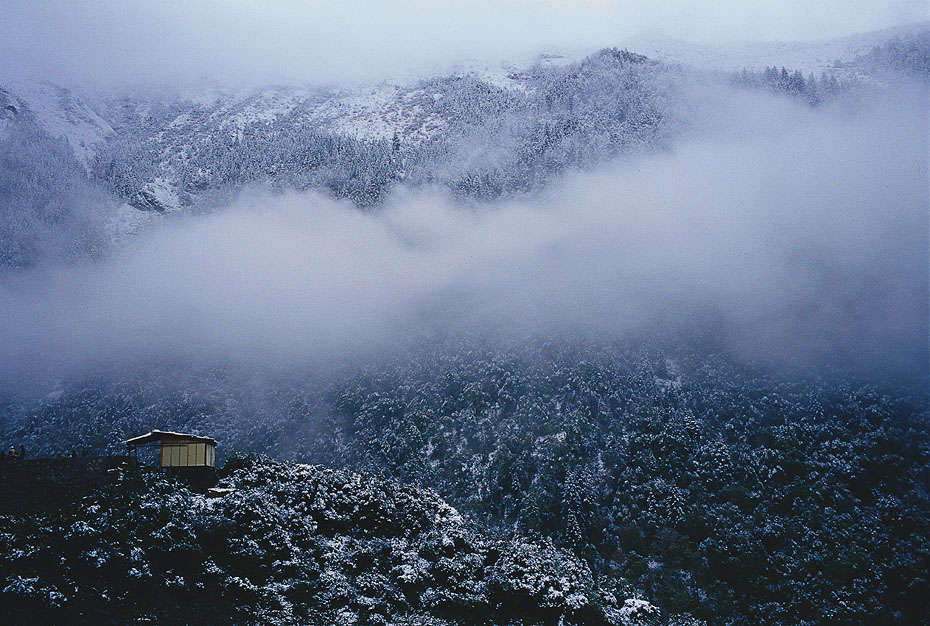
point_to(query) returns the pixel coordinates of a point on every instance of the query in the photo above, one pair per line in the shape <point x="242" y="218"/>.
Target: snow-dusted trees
<point x="909" y="55"/>
<point x="720" y="492"/>
<point x="495" y="141"/>
<point x="793" y="84"/>
<point x="293" y="544"/>
<point x="50" y="211"/>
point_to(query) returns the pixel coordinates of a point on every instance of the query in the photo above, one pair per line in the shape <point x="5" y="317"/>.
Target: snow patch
<point x="159" y="195"/>
<point x="62" y="113"/>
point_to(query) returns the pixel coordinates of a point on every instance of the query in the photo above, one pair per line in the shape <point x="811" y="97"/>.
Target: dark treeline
<point x="781" y="81"/>
<point x="291" y="544"/>
<point x="908" y="57"/>
<point x="731" y="495"/>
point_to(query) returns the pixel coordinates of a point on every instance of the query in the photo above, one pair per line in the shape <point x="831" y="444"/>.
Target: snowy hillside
<point x="62" y="113"/>
<point x="484" y="132"/>
<point x="833" y="56"/>
<point x="403" y="108"/>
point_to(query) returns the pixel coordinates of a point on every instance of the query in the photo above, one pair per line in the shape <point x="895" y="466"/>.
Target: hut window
<point x="199" y="453"/>
<point x="187" y="455"/>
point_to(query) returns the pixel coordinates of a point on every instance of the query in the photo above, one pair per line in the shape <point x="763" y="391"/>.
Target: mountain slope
<point x="838" y="57"/>
<point x="482" y="132"/>
<point x="291" y="544"/>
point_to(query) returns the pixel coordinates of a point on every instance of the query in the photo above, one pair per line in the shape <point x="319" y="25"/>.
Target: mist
<point x="796" y="237"/>
<point x="108" y="44"/>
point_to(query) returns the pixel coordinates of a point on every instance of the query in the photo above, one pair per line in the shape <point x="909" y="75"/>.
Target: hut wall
<point x="187" y="455"/>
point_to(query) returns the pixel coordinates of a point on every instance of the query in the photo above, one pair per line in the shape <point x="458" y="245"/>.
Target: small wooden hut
<point x="178" y="450"/>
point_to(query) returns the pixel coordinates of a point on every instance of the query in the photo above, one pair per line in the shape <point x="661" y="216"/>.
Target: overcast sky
<point x="231" y="42"/>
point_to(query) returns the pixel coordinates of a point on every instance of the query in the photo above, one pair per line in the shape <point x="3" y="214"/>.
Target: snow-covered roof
<point x="163" y="435"/>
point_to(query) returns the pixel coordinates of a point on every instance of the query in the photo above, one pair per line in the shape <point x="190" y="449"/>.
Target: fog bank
<point x="797" y="236"/>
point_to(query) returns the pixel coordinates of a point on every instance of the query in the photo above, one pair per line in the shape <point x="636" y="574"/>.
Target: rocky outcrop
<point x="159" y="196"/>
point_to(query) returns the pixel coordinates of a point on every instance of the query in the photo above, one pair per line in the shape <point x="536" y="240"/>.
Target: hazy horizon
<point x="108" y="44"/>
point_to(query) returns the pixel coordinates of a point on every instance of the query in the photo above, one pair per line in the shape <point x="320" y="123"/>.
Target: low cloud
<point x="795" y="236"/>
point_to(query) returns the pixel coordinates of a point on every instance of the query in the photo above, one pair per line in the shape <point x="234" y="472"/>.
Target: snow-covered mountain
<point x="837" y="57"/>
<point x="482" y="131"/>
<point x="60" y="112"/>
<point x="404" y="108"/>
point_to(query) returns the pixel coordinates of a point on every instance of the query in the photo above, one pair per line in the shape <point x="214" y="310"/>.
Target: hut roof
<point x="163" y="435"/>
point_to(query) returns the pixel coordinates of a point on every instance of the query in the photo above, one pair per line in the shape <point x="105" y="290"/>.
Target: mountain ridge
<point x="483" y="132"/>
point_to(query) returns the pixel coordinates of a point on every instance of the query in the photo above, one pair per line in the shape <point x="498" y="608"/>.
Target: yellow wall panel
<point x="188" y="455"/>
